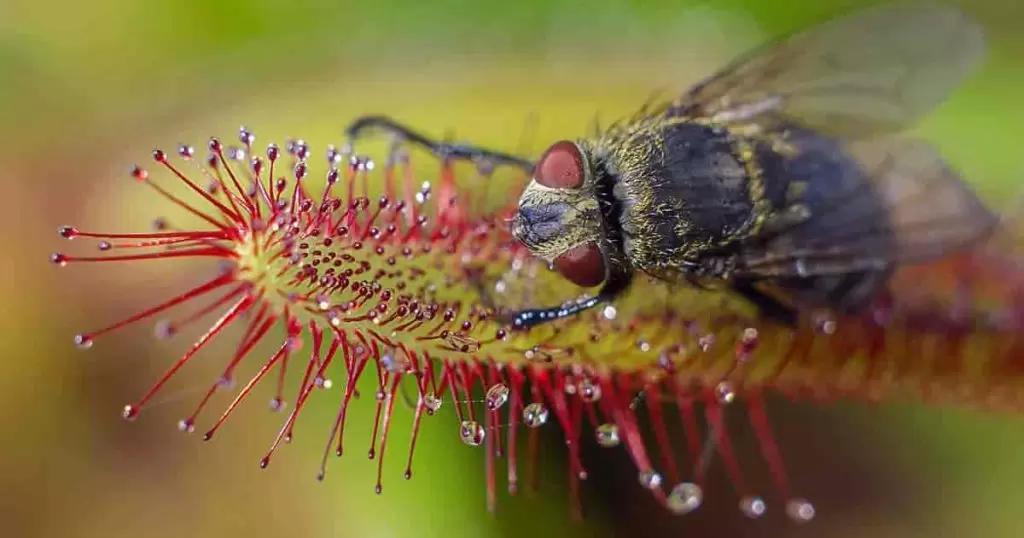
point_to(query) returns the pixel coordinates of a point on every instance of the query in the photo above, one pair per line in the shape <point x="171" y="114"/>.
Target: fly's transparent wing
<point x="913" y="208"/>
<point x="841" y="92"/>
<point x="876" y="71"/>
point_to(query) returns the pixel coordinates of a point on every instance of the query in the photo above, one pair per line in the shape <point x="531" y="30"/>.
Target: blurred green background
<point x="86" y="89"/>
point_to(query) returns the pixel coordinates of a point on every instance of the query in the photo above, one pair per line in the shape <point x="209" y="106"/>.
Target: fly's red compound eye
<point x="582" y="265"/>
<point x="561" y="167"/>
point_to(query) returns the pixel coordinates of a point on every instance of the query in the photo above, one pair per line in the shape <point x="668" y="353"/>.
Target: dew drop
<point x="650" y="479"/>
<point x="67" y="232"/>
<point x="607" y="435"/>
<point x="685" y="498"/>
<point x="800" y="510"/>
<point x="588" y="390"/>
<point x="535" y="415"/>
<point x="59" y="259"/>
<point x="83" y="341"/>
<point x="497" y="395"/>
<point x="752" y="506"/>
<point x="609" y="312"/>
<point x="431" y="403"/>
<point x="277" y="404"/>
<point x="472" y="433"/>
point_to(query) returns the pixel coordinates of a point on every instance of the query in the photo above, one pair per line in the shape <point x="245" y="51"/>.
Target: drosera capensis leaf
<point x="373" y="272"/>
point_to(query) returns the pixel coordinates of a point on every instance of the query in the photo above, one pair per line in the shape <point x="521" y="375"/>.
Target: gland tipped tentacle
<point x="391" y="273"/>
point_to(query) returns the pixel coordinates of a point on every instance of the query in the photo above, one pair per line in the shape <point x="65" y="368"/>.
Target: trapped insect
<point x="785" y="178"/>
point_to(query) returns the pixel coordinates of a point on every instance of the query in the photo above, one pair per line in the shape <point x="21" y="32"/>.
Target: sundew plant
<point x="354" y="267"/>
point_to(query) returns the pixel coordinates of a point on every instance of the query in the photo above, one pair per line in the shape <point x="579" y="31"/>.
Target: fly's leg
<point x="768" y="306"/>
<point x="613" y="288"/>
<point x="443" y="150"/>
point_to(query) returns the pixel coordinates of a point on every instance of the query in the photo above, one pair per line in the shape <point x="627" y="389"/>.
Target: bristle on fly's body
<point x="399" y="285"/>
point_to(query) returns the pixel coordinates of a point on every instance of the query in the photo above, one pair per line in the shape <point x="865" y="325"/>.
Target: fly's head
<point x="559" y="216"/>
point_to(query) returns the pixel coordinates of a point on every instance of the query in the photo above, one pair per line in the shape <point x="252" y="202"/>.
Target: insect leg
<point x="441" y="149"/>
<point x="768" y="306"/>
<point x="613" y="287"/>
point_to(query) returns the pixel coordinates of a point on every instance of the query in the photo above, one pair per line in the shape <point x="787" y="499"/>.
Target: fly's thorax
<point x="552" y="221"/>
<point x="684" y="188"/>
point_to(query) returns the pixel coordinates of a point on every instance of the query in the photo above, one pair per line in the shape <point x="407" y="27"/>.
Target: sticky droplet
<point x="83" y="341"/>
<point x="650" y="479"/>
<point x="431" y="403"/>
<point x="800" y="510"/>
<point x="685" y="498"/>
<point x="588" y="390"/>
<point x="535" y="415"/>
<point x="607" y="435"/>
<point x="472" y="433"/>
<point x="130" y="412"/>
<point x="752" y="506"/>
<point x="725" y="392"/>
<point x="497" y="395"/>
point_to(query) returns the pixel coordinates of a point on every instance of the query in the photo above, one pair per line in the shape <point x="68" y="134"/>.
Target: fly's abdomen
<point x="815" y="177"/>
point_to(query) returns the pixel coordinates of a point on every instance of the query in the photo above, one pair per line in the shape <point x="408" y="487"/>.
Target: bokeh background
<point x="86" y="89"/>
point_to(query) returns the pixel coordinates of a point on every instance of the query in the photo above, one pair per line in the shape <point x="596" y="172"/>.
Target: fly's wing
<point x="912" y="209"/>
<point x="844" y="90"/>
<point x="876" y="71"/>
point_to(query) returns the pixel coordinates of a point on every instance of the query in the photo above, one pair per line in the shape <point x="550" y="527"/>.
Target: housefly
<point x="787" y="178"/>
